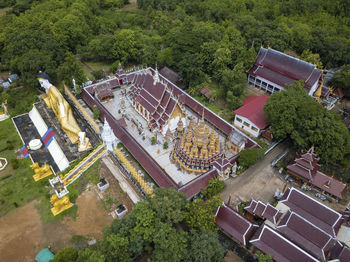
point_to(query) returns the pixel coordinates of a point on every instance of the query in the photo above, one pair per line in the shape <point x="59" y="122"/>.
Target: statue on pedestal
<point x="54" y="100"/>
<point x="41" y="172"/>
<point x="59" y="205"/>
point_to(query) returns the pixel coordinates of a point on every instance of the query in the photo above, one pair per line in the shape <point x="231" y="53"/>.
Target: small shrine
<point x="3" y="163"/>
<point x="198" y="148"/>
<point x="3" y="111"/>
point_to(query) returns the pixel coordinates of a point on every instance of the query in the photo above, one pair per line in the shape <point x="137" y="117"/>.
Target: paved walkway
<point x="122" y="179"/>
<point x="259" y="181"/>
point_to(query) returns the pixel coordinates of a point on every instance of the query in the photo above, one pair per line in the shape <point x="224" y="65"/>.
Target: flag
<point x="48" y="137"/>
<point x="24" y="151"/>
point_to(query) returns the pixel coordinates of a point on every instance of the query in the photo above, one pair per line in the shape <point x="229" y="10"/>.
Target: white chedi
<point x="108" y="137"/>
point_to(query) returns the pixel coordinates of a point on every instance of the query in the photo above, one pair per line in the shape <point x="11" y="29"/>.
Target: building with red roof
<point x="234" y="224"/>
<point x="272" y="70"/>
<point x="250" y="117"/>
<point x="305" y="168"/>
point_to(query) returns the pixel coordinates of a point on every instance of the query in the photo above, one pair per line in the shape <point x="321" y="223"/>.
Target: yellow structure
<point x="64" y="177"/>
<point x="41" y="172"/>
<point x="59" y="205"/>
<point x="134" y="173"/>
<point x="54" y="100"/>
<point x="82" y="110"/>
<point x="198" y="148"/>
<point x="82" y="170"/>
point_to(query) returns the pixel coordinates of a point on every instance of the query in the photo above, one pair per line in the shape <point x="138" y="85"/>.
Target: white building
<point x="250" y="117"/>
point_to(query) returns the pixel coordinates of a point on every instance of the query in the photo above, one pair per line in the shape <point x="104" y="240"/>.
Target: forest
<point x="209" y="43"/>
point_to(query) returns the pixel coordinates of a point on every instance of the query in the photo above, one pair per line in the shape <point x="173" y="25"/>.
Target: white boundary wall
<point x="54" y="149"/>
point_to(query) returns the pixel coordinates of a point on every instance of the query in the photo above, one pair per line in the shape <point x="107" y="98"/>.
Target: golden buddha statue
<point x="54" y="100"/>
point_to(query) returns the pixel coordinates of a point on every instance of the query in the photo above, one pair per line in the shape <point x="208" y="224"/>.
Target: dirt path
<point x="259" y="181"/>
<point x="23" y="234"/>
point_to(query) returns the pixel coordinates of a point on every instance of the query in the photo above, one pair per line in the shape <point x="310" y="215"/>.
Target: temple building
<point x="250" y="117"/>
<point x="198" y="148"/>
<point x="155" y="101"/>
<point x="272" y="70"/>
<point x="298" y="228"/>
<point x="305" y="169"/>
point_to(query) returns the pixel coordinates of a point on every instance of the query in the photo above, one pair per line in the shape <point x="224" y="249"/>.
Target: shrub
<point x="14" y="163"/>
<point x="96" y="112"/>
<point x="250" y="156"/>
<point x="119" y="111"/>
<point x="215" y="187"/>
<point x="153" y="140"/>
<point x="9" y="145"/>
<point x="66" y="254"/>
<point x="98" y="74"/>
<point x="143" y="137"/>
<point x="165" y="145"/>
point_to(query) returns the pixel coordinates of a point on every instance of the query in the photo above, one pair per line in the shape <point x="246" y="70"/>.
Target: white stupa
<point x="108" y="137"/>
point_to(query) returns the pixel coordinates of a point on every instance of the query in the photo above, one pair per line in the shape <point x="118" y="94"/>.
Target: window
<point x="246" y="124"/>
<point x="239" y="120"/>
<point x="254" y="129"/>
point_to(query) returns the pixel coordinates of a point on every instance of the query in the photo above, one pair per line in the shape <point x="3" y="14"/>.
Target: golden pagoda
<point x="198" y="148"/>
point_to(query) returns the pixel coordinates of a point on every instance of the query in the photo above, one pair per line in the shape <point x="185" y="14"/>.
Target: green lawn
<point x="17" y="186"/>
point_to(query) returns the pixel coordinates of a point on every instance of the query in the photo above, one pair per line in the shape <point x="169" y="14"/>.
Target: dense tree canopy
<point x="294" y="114"/>
<point x="203" y="40"/>
<point x="156" y="229"/>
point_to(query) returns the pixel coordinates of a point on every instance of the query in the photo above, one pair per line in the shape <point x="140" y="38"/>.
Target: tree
<point x="294" y="114"/>
<point x="125" y="45"/>
<point x="69" y="69"/>
<point x="264" y="257"/>
<point x="314" y="59"/>
<point x="200" y="214"/>
<point x="89" y="255"/>
<point x="68" y="254"/>
<point x="204" y="247"/>
<point x="169" y="245"/>
<point x="341" y="79"/>
<point x="250" y="156"/>
<point x="115" y="248"/>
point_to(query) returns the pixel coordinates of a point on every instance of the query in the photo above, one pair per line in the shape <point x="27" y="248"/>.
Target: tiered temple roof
<point x="154" y="95"/>
<point x="306" y="167"/>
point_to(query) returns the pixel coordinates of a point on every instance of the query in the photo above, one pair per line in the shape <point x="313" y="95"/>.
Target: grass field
<point x="17" y="186"/>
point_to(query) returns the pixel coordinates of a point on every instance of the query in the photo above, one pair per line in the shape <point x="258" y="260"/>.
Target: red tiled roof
<point x="345" y="254"/>
<point x="251" y="207"/>
<point x="206" y="92"/>
<point x="234" y="224"/>
<point x="305" y="163"/>
<point x="280" y="68"/>
<point x="253" y="109"/>
<point x="271" y="213"/>
<point x="301" y="171"/>
<point x="195" y="186"/>
<point x="259" y="208"/>
<point x="280" y="248"/>
<point x="308" y="236"/>
<point x="315" y="212"/>
<point x="329" y="184"/>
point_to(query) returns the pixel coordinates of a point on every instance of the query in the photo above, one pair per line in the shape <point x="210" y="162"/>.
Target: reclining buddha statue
<point x="54" y="100"/>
